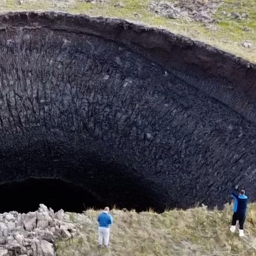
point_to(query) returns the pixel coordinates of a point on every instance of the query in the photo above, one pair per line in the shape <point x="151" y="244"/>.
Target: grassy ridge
<point x="228" y="34"/>
<point x="194" y="232"/>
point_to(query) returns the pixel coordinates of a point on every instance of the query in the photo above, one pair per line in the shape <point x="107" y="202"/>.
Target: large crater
<point x="136" y="116"/>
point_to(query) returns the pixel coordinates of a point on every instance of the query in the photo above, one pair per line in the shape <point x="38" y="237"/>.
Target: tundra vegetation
<point x="198" y="231"/>
<point x="226" y="24"/>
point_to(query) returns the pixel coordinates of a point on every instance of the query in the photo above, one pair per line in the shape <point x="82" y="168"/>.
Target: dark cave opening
<point x="25" y="196"/>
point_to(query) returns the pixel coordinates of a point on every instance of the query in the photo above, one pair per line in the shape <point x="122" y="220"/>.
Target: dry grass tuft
<point x="194" y="232"/>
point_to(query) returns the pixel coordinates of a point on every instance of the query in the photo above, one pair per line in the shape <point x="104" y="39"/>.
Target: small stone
<point x="5" y="232"/>
<point x="65" y="233"/>
<point x="119" y="5"/>
<point x="246" y="44"/>
<point x="42" y="208"/>
<point x="9" y="239"/>
<point x="9" y="217"/>
<point x="47" y="248"/>
<point x="2" y="240"/>
<point x="46" y="235"/>
<point x="35" y="246"/>
<point x="245" y="29"/>
<point x="27" y="242"/>
<point x="2" y="226"/>
<point x="52" y="229"/>
<point x="59" y="215"/>
<point x="236" y="15"/>
<point x="19" y="238"/>
<point x="3" y="252"/>
<point x="13" y="245"/>
<point x="30" y="222"/>
<point x="11" y="226"/>
<point x="244" y="15"/>
<point x="137" y="15"/>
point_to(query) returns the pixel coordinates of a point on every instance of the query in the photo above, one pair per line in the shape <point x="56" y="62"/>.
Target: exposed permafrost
<point x="137" y="115"/>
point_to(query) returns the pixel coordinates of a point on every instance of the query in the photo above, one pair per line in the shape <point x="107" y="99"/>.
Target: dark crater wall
<point x="137" y="116"/>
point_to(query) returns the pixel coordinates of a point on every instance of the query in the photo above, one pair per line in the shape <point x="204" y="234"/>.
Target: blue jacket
<point x="105" y="219"/>
<point x="240" y="203"/>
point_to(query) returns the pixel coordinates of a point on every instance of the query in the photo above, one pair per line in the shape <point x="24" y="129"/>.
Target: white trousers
<point x="104" y="236"/>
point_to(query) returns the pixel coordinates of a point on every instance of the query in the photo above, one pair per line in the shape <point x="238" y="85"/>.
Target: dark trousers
<point x="238" y="217"/>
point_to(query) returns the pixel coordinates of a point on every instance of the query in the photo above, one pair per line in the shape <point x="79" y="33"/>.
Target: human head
<point x="242" y="191"/>
<point x="106" y="209"/>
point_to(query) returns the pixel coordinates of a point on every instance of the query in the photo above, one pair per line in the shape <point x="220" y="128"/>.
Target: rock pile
<point x="198" y="10"/>
<point x="33" y="233"/>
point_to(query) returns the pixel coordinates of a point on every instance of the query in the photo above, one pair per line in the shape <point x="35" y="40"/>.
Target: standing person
<point x="105" y="220"/>
<point x="239" y="210"/>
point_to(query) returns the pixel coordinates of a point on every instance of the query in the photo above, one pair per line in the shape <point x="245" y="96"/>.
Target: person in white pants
<point x="105" y="220"/>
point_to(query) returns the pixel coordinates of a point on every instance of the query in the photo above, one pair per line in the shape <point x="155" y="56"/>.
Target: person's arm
<point x="110" y="220"/>
<point x="235" y="192"/>
<point x="98" y="219"/>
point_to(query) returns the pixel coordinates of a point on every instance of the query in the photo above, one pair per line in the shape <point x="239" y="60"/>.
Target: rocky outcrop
<point x="202" y="11"/>
<point x="34" y="233"/>
<point x="138" y="116"/>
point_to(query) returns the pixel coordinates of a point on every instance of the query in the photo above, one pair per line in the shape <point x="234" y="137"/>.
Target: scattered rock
<point x="59" y="215"/>
<point x="43" y="208"/>
<point x="47" y="248"/>
<point x="235" y="15"/>
<point x="65" y="233"/>
<point x="9" y="217"/>
<point x="20" y="2"/>
<point x="46" y="235"/>
<point x="11" y="226"/>
<point x="238" y="16"/>
<point x="246" y="44"/>
<point x="137" y="15"/>
<point x="30" y="221"/>
<point x="93" y="1"/>
<point x="245" y="29"/>
<point x="3" y="252"/>
<point x="211" y="27"/>
<point x="119" y="5"/>
<point x="34" y="233"/>
<point x="245" y="15"/>
<point x="19" y="238"/>
<point x="198" y="10"/>
<point x="165" y="9"/>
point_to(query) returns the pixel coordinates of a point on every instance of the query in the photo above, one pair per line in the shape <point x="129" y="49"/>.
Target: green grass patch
<point x="227" y="34"/>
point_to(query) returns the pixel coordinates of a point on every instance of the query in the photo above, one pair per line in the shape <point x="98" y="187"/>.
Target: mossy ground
<point x="197" y="232"/>
<point x="228" y="33"/>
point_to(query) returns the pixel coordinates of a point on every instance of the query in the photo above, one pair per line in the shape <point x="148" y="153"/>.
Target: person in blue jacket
<point x="239" y="210"/>
<point x="105" y="220"/>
